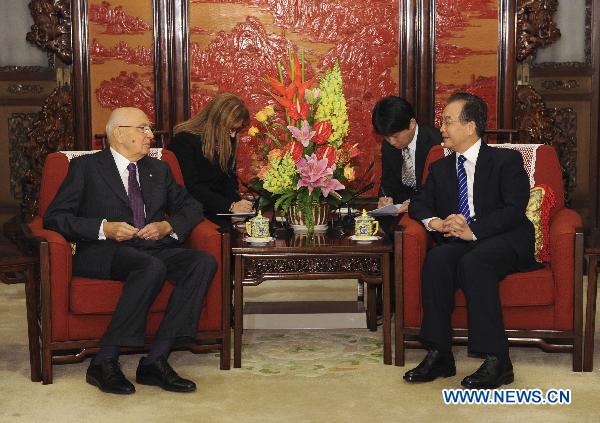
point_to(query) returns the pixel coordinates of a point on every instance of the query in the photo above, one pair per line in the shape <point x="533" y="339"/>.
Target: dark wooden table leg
<point x="590" y="316"/>
<point x="387" y="323"/>
<point x="399" y="306"/>
<point x="238" y="312"/>
<point x="32" y="325"/>
<point x="371" y="307"/>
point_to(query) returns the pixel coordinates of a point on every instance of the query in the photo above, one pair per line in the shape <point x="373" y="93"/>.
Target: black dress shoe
<point x="107" y="376"/>
<point x="494" y="372"/>
<point x="434" y="365"/>
<point x="160" y="373"/>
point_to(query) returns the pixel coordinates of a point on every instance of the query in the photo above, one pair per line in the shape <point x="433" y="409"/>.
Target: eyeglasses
<point x="449" y="121"/>
<point x="144" y="128"/>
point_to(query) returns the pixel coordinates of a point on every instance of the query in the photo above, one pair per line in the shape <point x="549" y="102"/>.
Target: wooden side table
<point x="593" y="254"/>
<point x="12" y="260"/>
<point x="323" y="257"/>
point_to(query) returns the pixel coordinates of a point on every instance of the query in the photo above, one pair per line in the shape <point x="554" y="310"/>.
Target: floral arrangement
<point x="306" y="160"/>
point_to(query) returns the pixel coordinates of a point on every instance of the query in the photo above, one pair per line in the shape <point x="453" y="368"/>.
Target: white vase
<point x="320" y="211"/>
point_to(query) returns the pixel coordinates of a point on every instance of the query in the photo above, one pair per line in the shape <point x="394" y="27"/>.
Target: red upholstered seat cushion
<point x="523" y="289"/>
<point x="98" y="296"/>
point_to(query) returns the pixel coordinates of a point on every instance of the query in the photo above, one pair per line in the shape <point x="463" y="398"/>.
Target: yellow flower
<point x="261" y="116"/>
<point x="268" y="110"/>
<point x="349" y="173"/>
<point x="253" y="131"/>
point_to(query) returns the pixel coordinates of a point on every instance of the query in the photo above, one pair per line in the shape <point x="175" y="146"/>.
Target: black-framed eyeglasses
<point x="144" y="128"/>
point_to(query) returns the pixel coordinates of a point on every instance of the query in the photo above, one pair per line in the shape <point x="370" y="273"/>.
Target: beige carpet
<point x="287" y="376"/>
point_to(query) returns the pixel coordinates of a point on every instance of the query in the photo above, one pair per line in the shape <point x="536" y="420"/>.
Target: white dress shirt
<point x="122" y="164"/>
<point x="471" y="155"/>
<point x="412" y="149"/>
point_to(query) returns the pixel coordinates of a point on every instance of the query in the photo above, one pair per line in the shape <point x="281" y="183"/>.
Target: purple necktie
<point x="136" y="202"/>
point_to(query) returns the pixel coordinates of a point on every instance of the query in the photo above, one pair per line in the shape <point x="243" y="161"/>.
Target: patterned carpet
<point x="311" y="353"/>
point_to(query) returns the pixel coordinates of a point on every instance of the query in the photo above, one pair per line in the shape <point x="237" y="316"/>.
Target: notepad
<point x="236" y="214"/>
<point x="389" y="210"/>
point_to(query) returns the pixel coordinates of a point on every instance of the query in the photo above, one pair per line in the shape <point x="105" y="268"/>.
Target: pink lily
<point x="314" y="173"/>
<point x="304" y="134"/>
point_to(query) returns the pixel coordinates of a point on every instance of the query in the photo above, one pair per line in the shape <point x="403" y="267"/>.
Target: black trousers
<point x="143" y="272"/>
<point x="476" y="267"/>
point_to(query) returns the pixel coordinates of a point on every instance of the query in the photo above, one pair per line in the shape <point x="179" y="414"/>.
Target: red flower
<point x="298" y="110"/>
<point x="323" y="131"/>
<point x="295" y="149"/>
<point x="327" y="152"/>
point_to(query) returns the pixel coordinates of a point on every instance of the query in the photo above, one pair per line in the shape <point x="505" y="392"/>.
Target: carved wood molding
<point x="52" y="131"/>
<point x="52" y="27"/>
<point x="535" y="26"/>
<point x="560" y="84"/>
<point x="556" y="127"/>
<point x="19" y="125"/>
<point x="256" y="268"/>
<point x="565" y="143"/>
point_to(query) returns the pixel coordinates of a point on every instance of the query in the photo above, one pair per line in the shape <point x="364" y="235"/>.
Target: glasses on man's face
<point x="448" y="121"/>
<point x="144" y="128"/>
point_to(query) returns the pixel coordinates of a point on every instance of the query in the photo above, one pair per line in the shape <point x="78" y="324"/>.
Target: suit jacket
<point x="500" y="196"/>
<point x="93" y="191"/>
<point x="205" y="180"/>
<point x="392" y="160"/>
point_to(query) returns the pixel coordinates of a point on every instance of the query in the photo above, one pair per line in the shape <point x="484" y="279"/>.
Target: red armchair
<point x="76" y="311"/>
<point x="542" y="308"/>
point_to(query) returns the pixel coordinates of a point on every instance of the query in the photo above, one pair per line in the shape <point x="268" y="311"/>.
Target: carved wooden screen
<point x="466" y="52"/>
<point x="233" y="43"/>
<point x="121" y="58"/>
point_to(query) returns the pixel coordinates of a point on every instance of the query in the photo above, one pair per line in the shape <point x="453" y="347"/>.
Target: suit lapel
<point x="110" y="174"/>
<point x="483" y="169"/>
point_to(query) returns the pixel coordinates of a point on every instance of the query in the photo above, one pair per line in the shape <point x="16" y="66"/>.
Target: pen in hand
<point x="385" y="200"/>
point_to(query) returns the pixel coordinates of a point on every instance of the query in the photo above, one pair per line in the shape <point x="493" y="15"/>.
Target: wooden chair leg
<point x="46" y="366"/>
<point x="590" y="316"/>
<point x="33" y="327"/>
<point x="400" y="349"/>
<point x="225" y="355"/>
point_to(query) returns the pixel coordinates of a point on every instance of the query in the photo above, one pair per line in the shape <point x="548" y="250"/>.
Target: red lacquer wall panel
<point x="121" y="58"/>
<point x="234" y="43"/>
<point x="466" y="52"/>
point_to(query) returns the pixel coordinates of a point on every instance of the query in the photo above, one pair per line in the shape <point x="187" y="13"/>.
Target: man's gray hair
<point x="118" y="117"/>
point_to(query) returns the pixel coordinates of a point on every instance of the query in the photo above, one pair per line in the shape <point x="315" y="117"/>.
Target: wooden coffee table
<point x="324" y="256"/>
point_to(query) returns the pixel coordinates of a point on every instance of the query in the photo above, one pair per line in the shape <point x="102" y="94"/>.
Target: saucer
<point x="253" y="240"/>
<point x="364" y="239"/>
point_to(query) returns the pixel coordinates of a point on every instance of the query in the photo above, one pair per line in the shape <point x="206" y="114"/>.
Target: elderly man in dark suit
<point x="114" y="205"/>
<point x="474" y="202"/>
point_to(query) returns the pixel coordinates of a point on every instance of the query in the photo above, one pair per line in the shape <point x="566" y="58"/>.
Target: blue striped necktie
<point x="463" y="191"/>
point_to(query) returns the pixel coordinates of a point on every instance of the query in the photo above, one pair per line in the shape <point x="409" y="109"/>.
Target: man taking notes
<point x="403" y="151"/>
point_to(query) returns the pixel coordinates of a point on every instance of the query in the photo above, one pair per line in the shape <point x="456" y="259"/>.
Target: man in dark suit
<point x="474" y="202"/>
<point x="113" y="205"/>
<point x="403" y="152"/>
